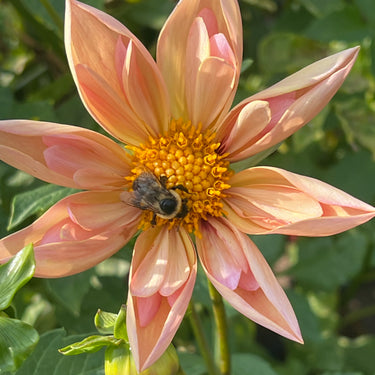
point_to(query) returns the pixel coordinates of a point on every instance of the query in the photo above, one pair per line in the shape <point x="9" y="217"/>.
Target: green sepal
<point x="120" y="331"/>
<point x="90" y="344"/>
<point x="105" y="322"/>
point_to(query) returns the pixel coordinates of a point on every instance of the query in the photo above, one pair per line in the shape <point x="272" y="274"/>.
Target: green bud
<point x="119" y="361"/>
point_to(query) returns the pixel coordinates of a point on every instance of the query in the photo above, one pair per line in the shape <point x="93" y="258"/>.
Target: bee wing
<point x="140" y="201"/>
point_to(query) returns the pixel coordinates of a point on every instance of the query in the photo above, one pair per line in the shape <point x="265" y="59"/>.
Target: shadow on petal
<point x="272" y="200"/>
<point x="75" y="234"/>
<point x="257" y="294"/>
<point x="153" y="316"/>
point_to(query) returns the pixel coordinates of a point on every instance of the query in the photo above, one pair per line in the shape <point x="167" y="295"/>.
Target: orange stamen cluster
<point x="188" y="157"/>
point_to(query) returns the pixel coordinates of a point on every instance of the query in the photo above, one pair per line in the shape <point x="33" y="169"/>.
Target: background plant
<point x="330" y="281"/>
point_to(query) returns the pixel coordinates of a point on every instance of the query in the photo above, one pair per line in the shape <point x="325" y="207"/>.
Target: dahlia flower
<point x="173" y="121"/>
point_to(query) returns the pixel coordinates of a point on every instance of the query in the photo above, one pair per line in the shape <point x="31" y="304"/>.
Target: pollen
<point x="193" y="167"/>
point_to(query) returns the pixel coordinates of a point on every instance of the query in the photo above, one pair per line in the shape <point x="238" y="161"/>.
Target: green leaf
<point x="336" y="262"/>
<point x="192" y="364"/>
<point x="38" y="28"/>
<point x="105" y="322"/>
<point x="253" y="160"/>
<point x="357" y="121"/>
<point x="246" y="64"/>
<point x="70" y="291"/>
<point x="271" y="246"/>
<point x="35" y="202"/>
<point x="362" y="173"/>
<point x="17" y="340"/>
<point x="341" y="373"/>
<point x="14" y="274"/>
<point x="72" y="111"/>
<point x="367" y="9"/>
<point x="200" y="292"/>
<point x="320" y="8"/>
<point x="241" y="363"/>
<point x="50" y="16"/>
<point x="150" y="13"/>
<point x="105" y="293"/>
<point x="45" y="359"/>
<point x="324" y="355"/>
<point x="346" y="25"/>
<point x="309" y="323"/>
<point x="359" y="354"/>
<point x="269" y="5"/>
<point x="89" y="345"/>
<point x="284" y="52"/>
<point x="6" y="102"/>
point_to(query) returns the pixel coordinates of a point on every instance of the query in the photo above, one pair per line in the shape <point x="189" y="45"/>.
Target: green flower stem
<point x="221" y="339"/>
<point x="202" y="342"/>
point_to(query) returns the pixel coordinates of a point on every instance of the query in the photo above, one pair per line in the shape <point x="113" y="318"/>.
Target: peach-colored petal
<point x="162" y="278"/>
<point x="68" y="239"/>
<point x="256" y="292"/>
<point x="107" y="107"/>
<point x="272" y="200"/>
<point x="147" y="96"/>
<point x="64" y="155"/>
<point x="293" y="102"/>
<point x="258" y="114"/>
<point x="117" y="79"/>
<point x="217" y="28"/>
<point x="210" y="79"/>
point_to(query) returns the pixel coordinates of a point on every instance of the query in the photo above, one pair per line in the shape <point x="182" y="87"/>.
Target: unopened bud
<point x="119" y="361"/>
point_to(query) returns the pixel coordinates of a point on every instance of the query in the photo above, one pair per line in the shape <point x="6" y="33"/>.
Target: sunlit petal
<point x="67" y="241"/>
<point x="116" y="76"/>
<point x="153" y="316"/>
<point x="272" y="200"/>
<point x="60" y="154"/>
<point x="293" y="102"/>
<point x="257" y="294"/>
<point x="179" y="57"/>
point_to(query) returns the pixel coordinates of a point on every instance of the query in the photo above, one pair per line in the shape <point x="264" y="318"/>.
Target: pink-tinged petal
<point x="158" y="269"/>
<point x="217" y="28"/>
<point x="256" y="113"/>
<point x="149" y="273"/>
<point x="272" y="200"/>
<point x="293" y="102"/>
<point x="154" y="312"/>
<point x="64" y="155"/>
<point x="146" y="95"/>
<point x="117" y="79"/>
<point x="210" y="75"/>
<point x="107" y="107"/>
<point x="256" y="294"/>
<point x="68" y="239"/>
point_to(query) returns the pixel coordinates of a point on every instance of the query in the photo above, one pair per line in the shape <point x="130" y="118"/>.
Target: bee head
<point x="168" y="205"/>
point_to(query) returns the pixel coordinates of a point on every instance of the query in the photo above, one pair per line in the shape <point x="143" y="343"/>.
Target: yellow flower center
<point x="185" y="161"/>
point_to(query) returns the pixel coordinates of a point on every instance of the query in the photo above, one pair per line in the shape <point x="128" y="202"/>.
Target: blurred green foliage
<point x="330" y="281"/>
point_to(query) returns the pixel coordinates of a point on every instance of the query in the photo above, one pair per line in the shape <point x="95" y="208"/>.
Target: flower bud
<point x="119" y="361"/>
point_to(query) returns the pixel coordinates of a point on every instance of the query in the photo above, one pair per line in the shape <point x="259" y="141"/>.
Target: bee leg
<point x="180" y="187"/>
<point x="153" y="221"/>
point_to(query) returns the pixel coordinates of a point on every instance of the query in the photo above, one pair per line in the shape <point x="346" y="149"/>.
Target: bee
<point x="151" y="193"/>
